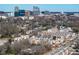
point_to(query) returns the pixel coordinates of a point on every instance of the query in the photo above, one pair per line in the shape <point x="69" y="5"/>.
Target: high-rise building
<point x="19" y="12"/>
<point x="36" y="10"/>
<point x="16" y="9"/>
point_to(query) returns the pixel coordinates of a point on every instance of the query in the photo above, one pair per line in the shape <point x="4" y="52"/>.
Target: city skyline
<point x="43" y="7"/>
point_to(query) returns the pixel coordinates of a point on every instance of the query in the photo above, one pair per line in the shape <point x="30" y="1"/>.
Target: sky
<point x="46" y="7"/>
